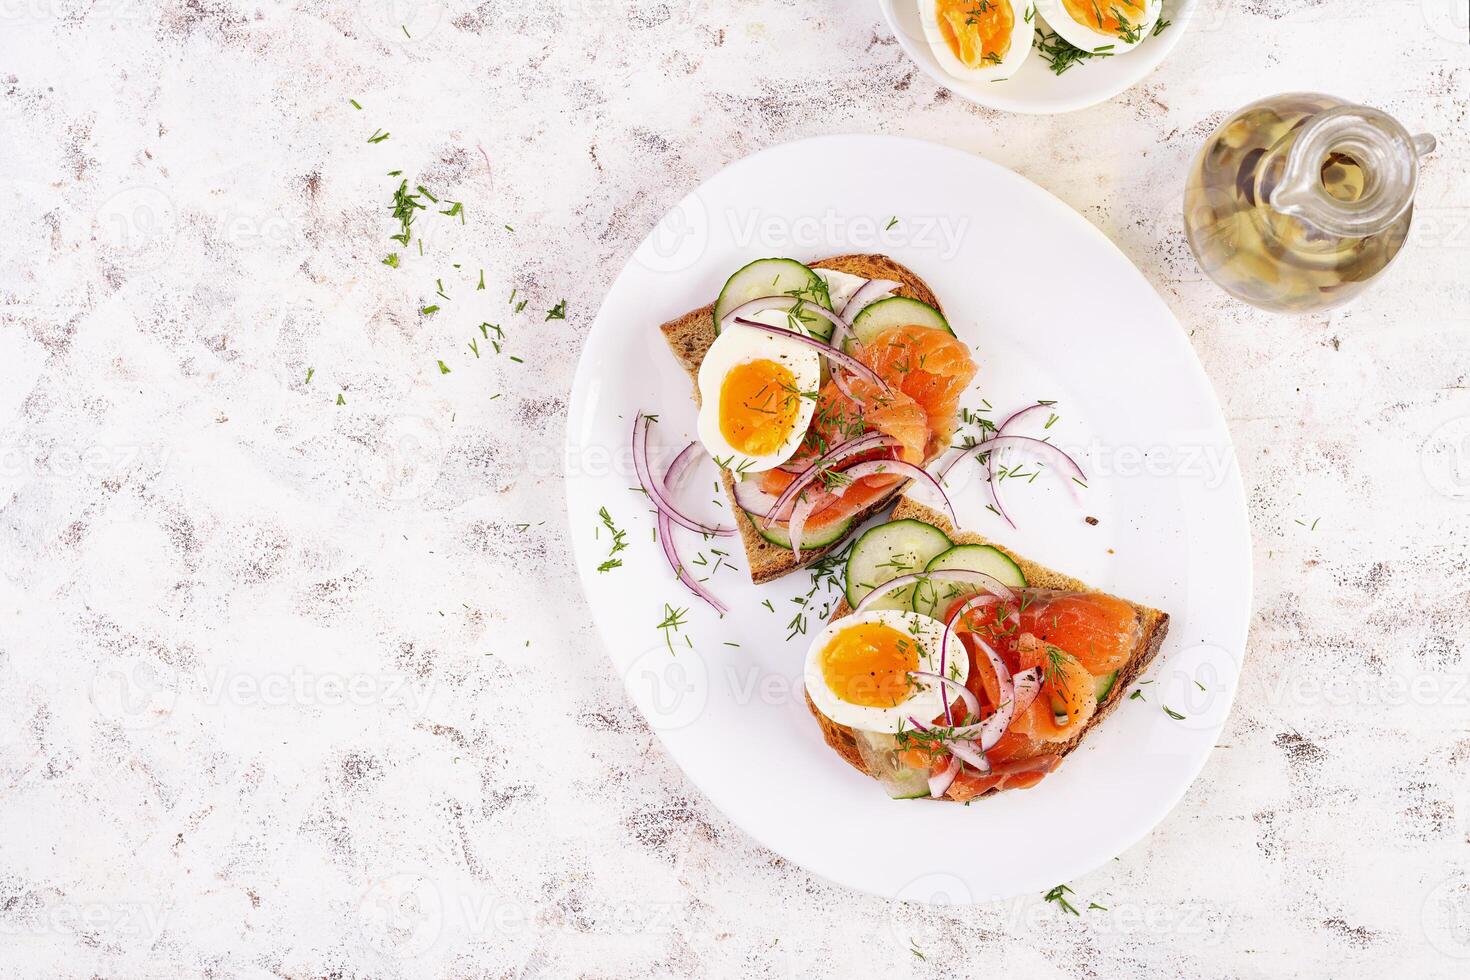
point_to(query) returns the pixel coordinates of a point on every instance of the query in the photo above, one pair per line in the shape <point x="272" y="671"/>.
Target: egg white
<point x="927" y="699"/>
<point x="1022" y="33"/>
<point x="1089" y="38"/>
<point x="737" y="345"/>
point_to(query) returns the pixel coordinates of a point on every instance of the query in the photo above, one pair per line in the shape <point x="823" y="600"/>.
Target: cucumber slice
<point x="893" y="312"/>
<point x="810" y="540"/>
<point x="879" y="752"/>
<point x="1103" y="686"/>
<point x="888" y="551"/>
<point x="775" y="277"/>
<point x="929" y="597"/>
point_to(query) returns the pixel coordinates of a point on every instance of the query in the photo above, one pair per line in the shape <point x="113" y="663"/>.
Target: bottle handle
<point x="1424" y="144"/>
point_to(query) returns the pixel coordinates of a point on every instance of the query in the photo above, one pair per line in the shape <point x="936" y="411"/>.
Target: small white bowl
<point x="1034" y="88"/>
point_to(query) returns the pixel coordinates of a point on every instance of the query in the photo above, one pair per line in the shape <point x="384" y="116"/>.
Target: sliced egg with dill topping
<point x="757" y="393"/>
<point x="1101" y="26"/>
<point x="979" y="40"/>
<point x="860" y="670"/>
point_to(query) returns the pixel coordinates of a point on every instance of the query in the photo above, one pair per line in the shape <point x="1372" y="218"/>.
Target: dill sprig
<point x="618" y="542"/>
<point x="673" y="622"/>
<point x="405" y="203"/>
<point x="1059" y="895"/>
<point x="1060" y="55"/>
<point x="828" y="576"/>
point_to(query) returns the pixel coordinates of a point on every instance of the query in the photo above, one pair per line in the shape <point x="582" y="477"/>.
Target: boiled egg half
<point x="1104" y="26"/>
<point x="757" y="393"/>
<point x="859" y="670"/>
<point x="979" y="40"/>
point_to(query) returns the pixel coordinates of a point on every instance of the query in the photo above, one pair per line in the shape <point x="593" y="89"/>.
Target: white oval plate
<point x="1054" y="311"/>
<point x="1035" y="89"/>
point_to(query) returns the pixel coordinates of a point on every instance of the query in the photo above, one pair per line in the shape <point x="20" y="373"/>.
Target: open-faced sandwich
<point x="956" y="668"/>
<point x="823" y="389"/>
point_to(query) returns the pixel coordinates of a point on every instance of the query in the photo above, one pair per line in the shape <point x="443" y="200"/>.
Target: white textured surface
<point x="202" y="553"/>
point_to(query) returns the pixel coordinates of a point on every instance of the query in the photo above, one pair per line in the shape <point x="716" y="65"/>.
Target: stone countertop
<point x="294" y="676"/>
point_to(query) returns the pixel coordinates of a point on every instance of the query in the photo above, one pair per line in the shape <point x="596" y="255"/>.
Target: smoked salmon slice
<point x="1067" y="700"/>
<point x="930" y="366"/>
<point x="1071" y="637"/>
<point x="1097" y="629"/>
<point x="1012" y="774"/>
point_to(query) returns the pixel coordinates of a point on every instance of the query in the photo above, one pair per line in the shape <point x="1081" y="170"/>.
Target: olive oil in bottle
<point x="1297" y="202"/>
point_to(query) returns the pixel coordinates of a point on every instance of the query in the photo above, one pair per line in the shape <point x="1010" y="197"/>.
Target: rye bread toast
<point x="1155" y="626"/>
<point x="691" y="335"/>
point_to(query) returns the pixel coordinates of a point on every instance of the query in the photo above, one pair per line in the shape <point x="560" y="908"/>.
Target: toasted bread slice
<point x="1155" y="626"/>
<point x="690" y="336"/>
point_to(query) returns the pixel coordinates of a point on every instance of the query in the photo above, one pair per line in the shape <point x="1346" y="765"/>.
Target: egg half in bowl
<point x="757" y="393"/>
<point x="859" y="670"/>
<point x="1101" y="25"/>
<point x="979" y="40"/>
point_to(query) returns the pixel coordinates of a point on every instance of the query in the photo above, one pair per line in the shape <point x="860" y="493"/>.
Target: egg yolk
<point x="1106" y="16"/>
<point x="869" y="664"/>
<point x="759" y="403"/>
<point x="978" y="32"/>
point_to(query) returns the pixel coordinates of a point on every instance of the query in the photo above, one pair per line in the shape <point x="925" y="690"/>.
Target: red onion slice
<point x="972" y="703"/>
<point x="871" y="440"/>
<point x="898" y="468"/>
<point x="995" y="501"/>
<point x="842" y="331"/>
<point x="1046" y="448"/>
<point x="863" y="296"/>
<point x="1025" y="687"/>
<point x="1003" y="436"/>
<point x="1028" y="686"/>
<point x="655" y="488"/>
<point x="784" y="303"/>
<point x="666" y="538"/>
<point x="674" y="477"/>
<point x="797" y="525"/>
<point x="1000" y="430"/>
<point x="751" y="498"/>
<point x="987" y="582"/>
<point x="1005" y="692"/>
<point x="963" y="748"/>
<point x="971" y="753"/>
<point x="991" y="485"/>
<point x="939" y="784"/>
<point x="1005" y="708"/>
<point x="831" y="353"/>
<point x="1016" y="416"/>
<point x="846" y="389"/>
<point x="867" y="294"/>
<point x="949" y="630"/>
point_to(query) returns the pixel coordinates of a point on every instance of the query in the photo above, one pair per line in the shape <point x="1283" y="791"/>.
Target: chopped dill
<point x="1059" y="895"/>
<point x="672" y="623"/>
